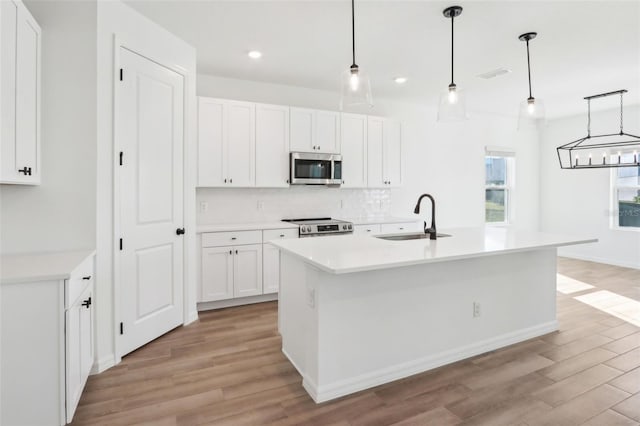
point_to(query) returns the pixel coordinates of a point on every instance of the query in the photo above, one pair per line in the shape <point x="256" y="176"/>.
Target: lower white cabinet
<point x="47" y="336"/>
<point x="231" y="271"/>
<point x="270" y="269"/>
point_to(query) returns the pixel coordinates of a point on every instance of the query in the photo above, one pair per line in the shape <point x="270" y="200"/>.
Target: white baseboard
<point x="219" y="304"/>
<point x="331" y="391"/>
<point x="102" y="364"/>
<point x="192" y="317"/>
<point x="597" y="259"/>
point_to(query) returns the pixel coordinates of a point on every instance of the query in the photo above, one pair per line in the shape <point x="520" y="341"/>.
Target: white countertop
<point x="353" y="253"/>
<point x="375" y="220"/>
<point x="28" y="267"/>
<point x="251" y="226"/>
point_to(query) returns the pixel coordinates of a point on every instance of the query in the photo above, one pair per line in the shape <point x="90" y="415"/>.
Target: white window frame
<point x="508" y="187"/>
<point x="615" y="206"/>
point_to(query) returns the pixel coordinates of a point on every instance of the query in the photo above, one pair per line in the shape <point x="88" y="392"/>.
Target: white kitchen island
<point x="357" y="311"/>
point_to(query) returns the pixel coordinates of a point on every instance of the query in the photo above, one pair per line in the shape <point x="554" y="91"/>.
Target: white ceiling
<point x="583" y="47"/>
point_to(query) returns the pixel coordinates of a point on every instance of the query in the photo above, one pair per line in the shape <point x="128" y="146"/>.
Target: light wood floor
<point x="228" y="369"/>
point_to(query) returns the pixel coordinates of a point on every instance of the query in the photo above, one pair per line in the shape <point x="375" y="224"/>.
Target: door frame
<point x="118" y="43"/>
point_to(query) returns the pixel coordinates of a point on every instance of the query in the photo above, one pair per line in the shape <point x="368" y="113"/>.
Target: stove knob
<point x="308" y="229"/>
<point x="349" y="226"/>
<point x="302" y="229"/>
<point x="344" y="226"/>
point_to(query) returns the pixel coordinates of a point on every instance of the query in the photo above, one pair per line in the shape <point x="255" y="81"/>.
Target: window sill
<point x="625" y="228"/>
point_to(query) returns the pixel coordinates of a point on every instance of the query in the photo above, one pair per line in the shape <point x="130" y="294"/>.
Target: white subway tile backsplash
<point x="236" y="205"/>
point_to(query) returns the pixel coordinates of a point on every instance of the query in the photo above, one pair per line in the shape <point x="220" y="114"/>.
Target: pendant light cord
<point x="529" y="69"/>
<point x="621" y="94"/>
<point x="353" y="32"/>
<point x="452" y="18"/>
<point x="588" y="118"/>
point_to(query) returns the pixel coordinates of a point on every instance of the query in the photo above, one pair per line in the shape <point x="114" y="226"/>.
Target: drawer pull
<point x="87" y="303"/>
<point x="230" y="251"/>
<point x="402" y="229"/>
<point x="281" y="235"/>
<point x="233" y="238"/>
<point x="368" y="230"/>
<point x="88" y="277"/>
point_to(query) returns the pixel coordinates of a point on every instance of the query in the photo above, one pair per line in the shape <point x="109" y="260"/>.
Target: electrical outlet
<point x="260" y="205"/>
<point x="476" y="309"/>
<point x="204" y="206"/>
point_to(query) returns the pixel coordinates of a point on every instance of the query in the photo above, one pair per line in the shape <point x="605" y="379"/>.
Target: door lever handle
<point x="87" y="303"/>
<point x="180" y="231"/>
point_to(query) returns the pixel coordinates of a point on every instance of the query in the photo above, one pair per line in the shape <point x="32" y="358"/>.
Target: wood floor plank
<point x="227" y="368"/>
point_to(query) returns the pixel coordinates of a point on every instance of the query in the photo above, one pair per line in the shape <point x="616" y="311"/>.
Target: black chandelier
<point x="601" y="151"/>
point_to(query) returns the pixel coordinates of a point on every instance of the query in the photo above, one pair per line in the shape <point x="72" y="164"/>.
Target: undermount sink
<point x="403" y="237"/>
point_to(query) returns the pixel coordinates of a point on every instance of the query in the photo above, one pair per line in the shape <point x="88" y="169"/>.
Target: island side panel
<point x="297" y="317"/>
<point x="379" y="326"/>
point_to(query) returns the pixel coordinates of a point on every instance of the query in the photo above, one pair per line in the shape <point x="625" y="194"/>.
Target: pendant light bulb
<point x="532" y="110"/>
<point x="354" y="80"/>
<point x="453" y="94"/>
<point x="356" y="87"/>
<point x="452" y="102"/>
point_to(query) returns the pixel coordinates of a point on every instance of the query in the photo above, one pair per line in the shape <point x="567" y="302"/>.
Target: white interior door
<point x="150" y="134"/>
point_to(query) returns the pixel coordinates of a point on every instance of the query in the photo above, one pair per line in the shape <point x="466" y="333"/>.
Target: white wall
<point x="60" y="214"/>
<point x="579" y="201"/>
<point x="140" y="34"/>
<point x="446" y="160"/>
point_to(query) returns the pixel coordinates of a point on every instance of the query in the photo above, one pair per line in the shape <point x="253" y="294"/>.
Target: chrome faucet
<point x="432" y="230"/>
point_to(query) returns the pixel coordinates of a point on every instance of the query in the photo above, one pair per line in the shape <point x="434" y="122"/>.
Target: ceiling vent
<point x="494" y="73"/>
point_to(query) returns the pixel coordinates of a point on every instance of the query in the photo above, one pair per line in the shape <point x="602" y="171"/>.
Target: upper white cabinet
<point x="20" y="51"/>
<point x="354" y="150"/>
<point x="226" y="143"/>
<point x="272" y="146"/>
<point x="384" y="153"/>
<point x="314" y="131"/>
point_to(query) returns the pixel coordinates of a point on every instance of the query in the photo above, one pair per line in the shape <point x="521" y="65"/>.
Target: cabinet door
<point x="211" y="135"/>
<point x="20" y="94"/>
<point x="241" y="143"/>
<point x="217" y="274"/>
<point x="272" y="146"/>
<point x="73" y="361"/>
<point x="354" y="150"/>
<point x="270" y="269"/>
<point x="8" y="20"/>
<point x="327" y="132"/>
<point x="301" y="125"/>
<point x="375" y="161"/>
<point x="392" y="153"/>
<point x="86" y="335"/>
<point x="247" y="270"/>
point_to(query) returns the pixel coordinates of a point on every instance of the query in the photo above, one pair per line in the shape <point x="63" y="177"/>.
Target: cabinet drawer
<point x="389" y="228"/>
<point x="218" y="239"/>
<point x="366" y="229"/>
<point x="80" y="278"/>
<point x="278" y="234"/>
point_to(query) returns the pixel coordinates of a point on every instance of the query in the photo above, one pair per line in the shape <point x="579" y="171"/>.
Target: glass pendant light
<point x="531" y="110"/>
<point x="452" y="102"/>
<point x="356" y="87"/>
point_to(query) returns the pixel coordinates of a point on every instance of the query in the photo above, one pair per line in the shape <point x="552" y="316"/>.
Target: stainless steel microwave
<point x="309" y="168"/>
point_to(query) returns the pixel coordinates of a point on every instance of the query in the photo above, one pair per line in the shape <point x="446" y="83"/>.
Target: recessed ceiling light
<point x="254" y="54"/>
<point x="400" y="80"/>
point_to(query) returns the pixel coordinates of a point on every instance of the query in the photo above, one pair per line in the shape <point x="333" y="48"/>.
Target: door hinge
<point x="120" y="244"/>
<point x="121" y="328"/>
<point x="121" y="156"/>
<point x="121" y="74"/>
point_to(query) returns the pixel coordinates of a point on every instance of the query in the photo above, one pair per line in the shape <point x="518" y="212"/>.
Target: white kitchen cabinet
<point x="247" y="270"/>
<point x="217" y="273"/>
<point x="233" y="267"/>
<point x="20" y="52"/>
<point x="272" y="146"/>
<point x="314" y="130"/>
<point x="372" y="229"/>
<point x="353" y="142"/>
<point x="271" y="258"/>
<point x="384" y="153"/>
<point x="46" y="337"/>
<point x="226" y="143"/>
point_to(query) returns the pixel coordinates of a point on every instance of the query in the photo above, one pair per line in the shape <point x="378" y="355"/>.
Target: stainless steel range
<point x="316" y="227"/>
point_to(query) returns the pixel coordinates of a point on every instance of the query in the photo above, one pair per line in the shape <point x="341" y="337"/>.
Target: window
<point x="498" y="187"/>
<point x="626" y="194"/>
